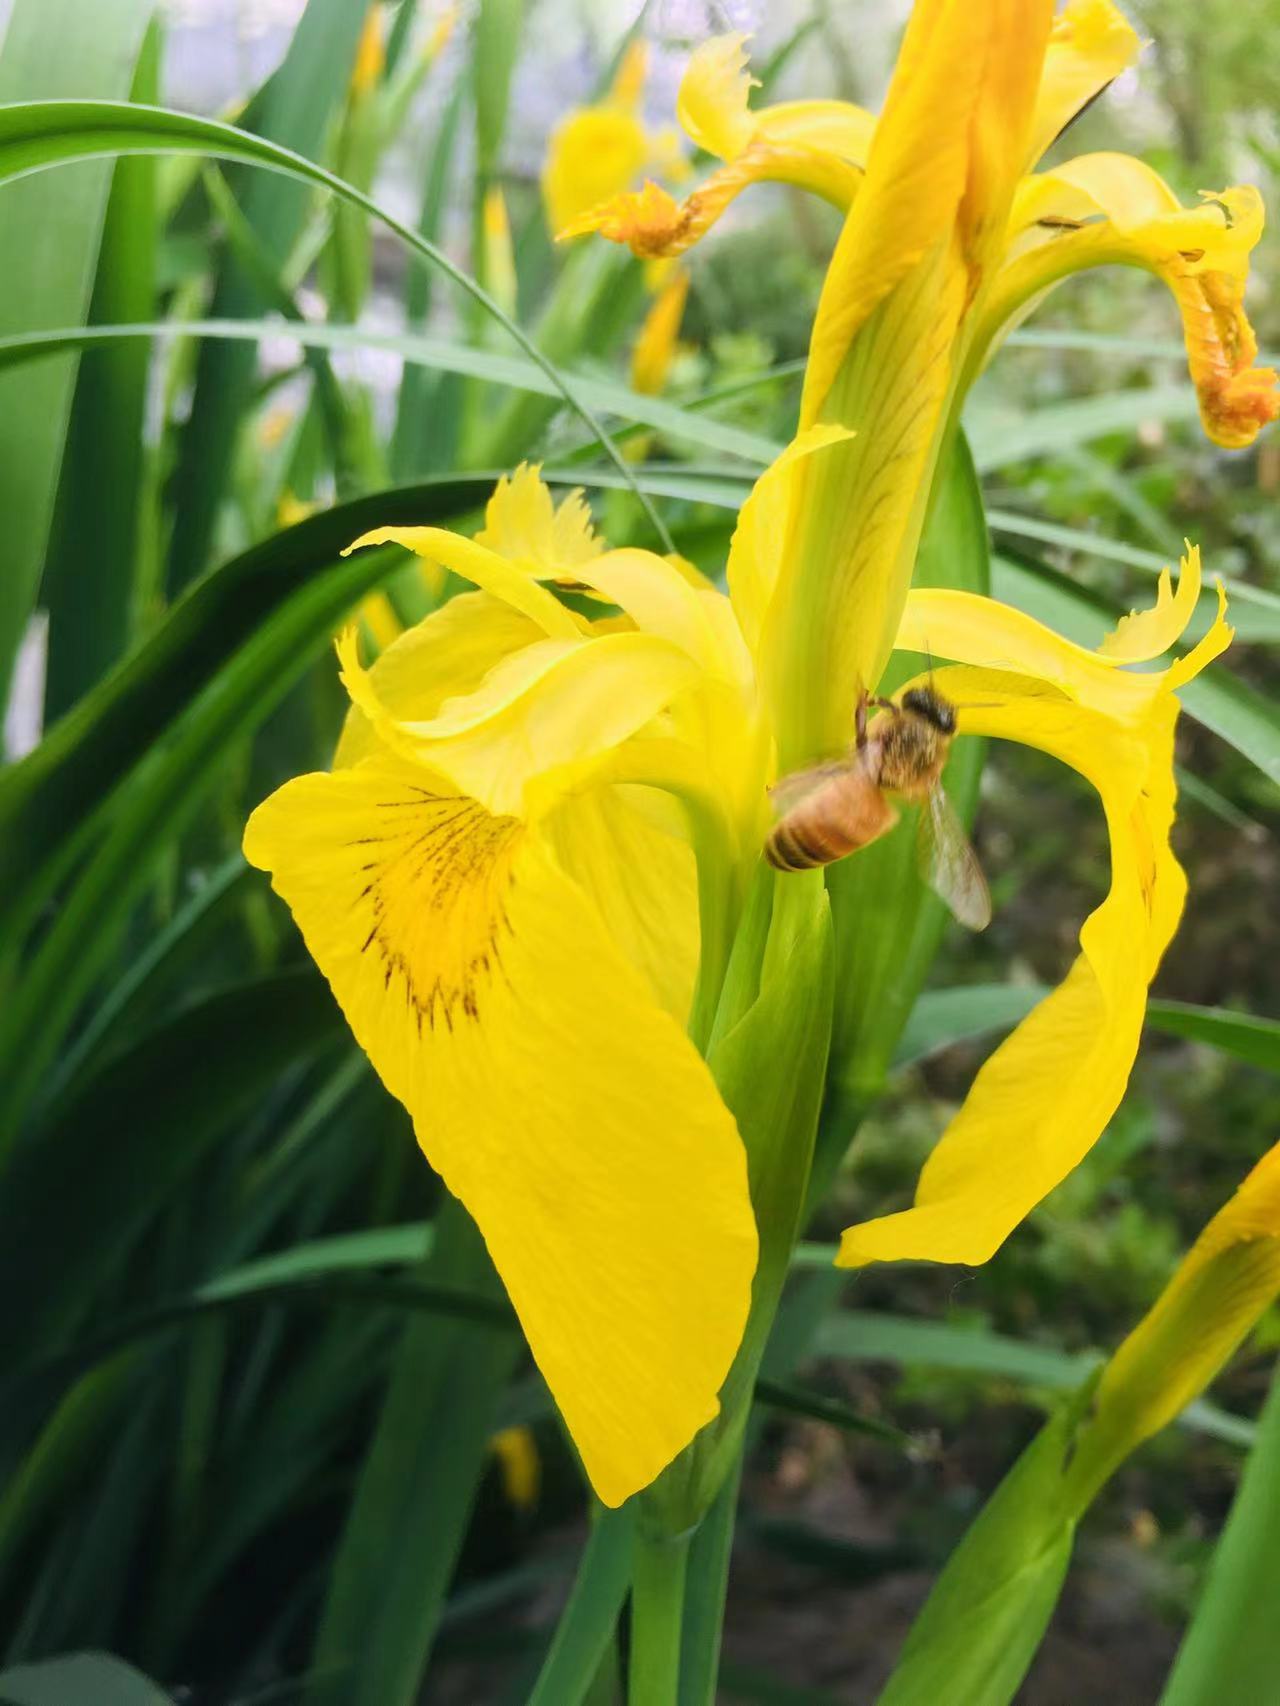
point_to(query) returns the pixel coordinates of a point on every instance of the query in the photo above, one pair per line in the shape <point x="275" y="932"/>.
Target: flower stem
<point x="658" y="1571"/>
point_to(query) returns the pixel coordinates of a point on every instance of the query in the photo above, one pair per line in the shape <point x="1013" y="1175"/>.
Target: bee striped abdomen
<point x="794" y="846"/>
<point x="844" y="814"/>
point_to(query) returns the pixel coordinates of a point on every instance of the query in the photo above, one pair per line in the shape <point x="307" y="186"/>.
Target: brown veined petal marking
<point x="554" y="1095"/>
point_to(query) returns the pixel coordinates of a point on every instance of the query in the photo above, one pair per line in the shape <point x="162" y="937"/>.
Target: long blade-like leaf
<point x="51" y="232"/>
<point x="39" y="134"/>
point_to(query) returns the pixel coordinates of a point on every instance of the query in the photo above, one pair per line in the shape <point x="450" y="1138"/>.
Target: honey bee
<point x="831" y="810"/>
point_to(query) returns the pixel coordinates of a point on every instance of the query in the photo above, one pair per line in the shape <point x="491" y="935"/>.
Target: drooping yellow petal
<point x="1046" y="1094"/>
<point x="655" y="225"/>
<point x="1104" y="208"/>
<point x="658" y="339"/>
<point x="1044" y="1097"/>
<point x="523" y="523"/>
<point x="1091" y="44"/>
<point x="553" y="1095"/>
<point x="1228" y="1278"/>
<point x="1145" y="634"/>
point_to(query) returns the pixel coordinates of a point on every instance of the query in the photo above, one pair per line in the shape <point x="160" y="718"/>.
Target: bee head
<point x="932" y="707"/>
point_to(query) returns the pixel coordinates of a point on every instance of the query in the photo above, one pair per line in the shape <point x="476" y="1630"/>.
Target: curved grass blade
<point x="445" y="354"/>
<point x="1230" y="1651"/>
<point x="36" y="135"/>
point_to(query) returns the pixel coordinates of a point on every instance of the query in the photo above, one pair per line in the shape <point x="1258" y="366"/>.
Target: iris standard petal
<point x="448" y="653"/>
<point x="542" y="714"/>
<point x="524" y="524"/>
<point x="553" y="1095"/>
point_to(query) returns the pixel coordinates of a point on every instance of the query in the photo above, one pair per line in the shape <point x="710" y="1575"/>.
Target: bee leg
<point x="860" y="720"/>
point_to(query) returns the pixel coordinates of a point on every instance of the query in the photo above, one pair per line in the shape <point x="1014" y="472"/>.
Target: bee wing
<point x="949" y="864"/>
<point x="788" y="791"/>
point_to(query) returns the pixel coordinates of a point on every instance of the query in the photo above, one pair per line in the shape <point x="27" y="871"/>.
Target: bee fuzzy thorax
<point x="827" y="812"/>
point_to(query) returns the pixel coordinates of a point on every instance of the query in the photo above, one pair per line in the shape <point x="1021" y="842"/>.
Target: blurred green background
<point x="259" y="1420"/>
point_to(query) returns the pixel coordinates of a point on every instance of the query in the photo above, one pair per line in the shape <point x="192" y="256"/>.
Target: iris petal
<point x="484" y="987"/>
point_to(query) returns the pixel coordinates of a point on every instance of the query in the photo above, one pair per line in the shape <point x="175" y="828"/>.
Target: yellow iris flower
<point x="526" y="872"/>
<point x="537" y="823"/>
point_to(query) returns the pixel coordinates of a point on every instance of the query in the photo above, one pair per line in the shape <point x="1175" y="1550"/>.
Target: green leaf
<point x="1231" y="1651"/>
<point x="413" y="1499"/>
<point x="38" y="134"/>
<point x="1000" y="438"/>
<point x="79" y="1679"/>
<point x="52" y="47"/>
<point x="453" y="356"/>
<point x="942" y="1017"/>
<point x="588" y="1620"/>
<point x="984" y="1619"/>
<point x="421" y="424"/>
<point x="493" y="59"/>
<point x="378" y="1247"/>
<point x="296" y="109"/>
<point x="99" y="505"/>
<point x="164" y="1102"/>
<point x="861" y="1335"/>
<point x="1243" y="1035"/>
